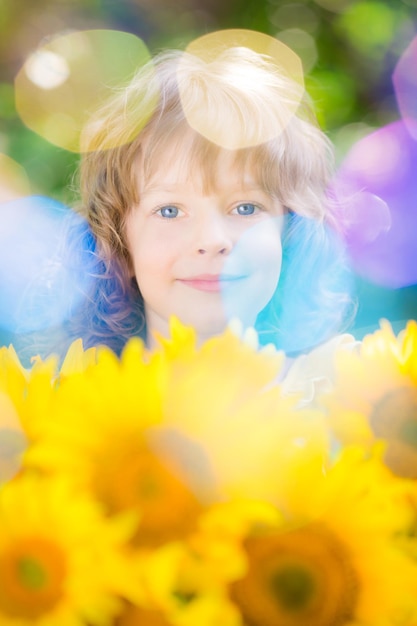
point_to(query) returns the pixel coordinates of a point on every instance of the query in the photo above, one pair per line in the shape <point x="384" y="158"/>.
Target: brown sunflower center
<point x="32" y="575"/>
<point x="394" y="419"/>
<point x="294" y="578"/>
<point x="136" y="478"/>
<point x="293" y="586"/>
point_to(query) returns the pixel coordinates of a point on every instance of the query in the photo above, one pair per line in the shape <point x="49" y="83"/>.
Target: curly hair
<point x="269" y="126"/>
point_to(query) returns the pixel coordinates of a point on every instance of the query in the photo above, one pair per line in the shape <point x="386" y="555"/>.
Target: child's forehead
<point x="187" y="160"/>
<point x="174" y="181"/>
<point x="218" y="171"/>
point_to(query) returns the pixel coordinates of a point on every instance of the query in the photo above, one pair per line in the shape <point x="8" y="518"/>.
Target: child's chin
<point x="208" y="327"/>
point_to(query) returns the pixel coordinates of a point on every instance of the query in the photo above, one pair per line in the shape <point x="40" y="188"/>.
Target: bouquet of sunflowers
<point x="182" y="487"/>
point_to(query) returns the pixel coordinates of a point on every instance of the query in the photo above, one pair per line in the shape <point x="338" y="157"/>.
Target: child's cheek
<point x="258" y="256"/>
<point x="258" y="249"/>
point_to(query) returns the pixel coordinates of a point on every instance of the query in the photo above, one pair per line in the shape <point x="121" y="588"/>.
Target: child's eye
<point x="247" y="208"/>
<point x="168" y="211"/>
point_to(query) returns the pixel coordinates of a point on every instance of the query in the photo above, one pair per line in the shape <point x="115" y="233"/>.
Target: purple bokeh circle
<point x="378" y="183"/>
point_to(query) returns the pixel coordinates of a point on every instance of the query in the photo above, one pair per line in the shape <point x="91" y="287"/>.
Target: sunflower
<point x="12" y="375"/>
<point x="296" y="577"/>
<point x="13" y="440"/>
<point x="167" y="433"/>
<point x="375" y="397"/>
<point x="183" y="587"/>
<point x="103" y="437"/>
<point x="77" y="359"/>
<point x="26" y="395"/>
<point x="24" y="400"/>
<point x="218" y="376"/>
<point x="223" y="397"/>
<point x="325" y="556"/>
<point x="29" y="393"/>
<point x="329" y="561"/>
<point x="59" y="560"/>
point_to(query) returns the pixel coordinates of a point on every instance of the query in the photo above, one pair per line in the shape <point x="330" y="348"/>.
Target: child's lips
<point x="210" y="282"/>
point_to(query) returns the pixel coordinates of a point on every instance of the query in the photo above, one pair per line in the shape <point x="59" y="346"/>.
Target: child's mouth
<point x="210" y="282"/>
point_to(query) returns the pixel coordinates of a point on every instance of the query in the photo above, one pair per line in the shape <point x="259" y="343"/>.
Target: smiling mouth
<point x="210" y="283"/>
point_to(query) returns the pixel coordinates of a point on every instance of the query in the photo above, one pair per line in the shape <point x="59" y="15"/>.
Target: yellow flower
<point x="223" y="398"/>
<point x="77" y="360"/>
<point x="183" y="588"/>
<point x="59" y="561"/>
<point x="25" y="403"/>
<point x="102" y="436"/>
<point x="330" y="562"/>
<point x="36" y="409"/>
<point x="42" y="379"/>
<point x="326" y="556"/>
<point x="297" y="538"/>
<point x="12" y="375"/>
<point x="218" y="376"/>
<point x="376" y="396"/>
<point x="301" y="576"/>
<point x="13" y="440"/>
<point x="167" y="433"/>
<point x="29" y="391"/>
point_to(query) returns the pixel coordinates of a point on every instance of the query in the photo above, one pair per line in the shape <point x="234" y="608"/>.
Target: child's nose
<point x="213" y="236"/>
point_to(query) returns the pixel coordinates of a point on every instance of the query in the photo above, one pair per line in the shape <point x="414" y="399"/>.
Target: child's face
<point x="204" y="256"/>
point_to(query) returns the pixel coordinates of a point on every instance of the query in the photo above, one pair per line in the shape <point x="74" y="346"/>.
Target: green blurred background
<point x="348" y="48"/>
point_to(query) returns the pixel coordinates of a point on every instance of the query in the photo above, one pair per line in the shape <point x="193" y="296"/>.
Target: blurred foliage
<point x="353" y="45"/>
<point x="349" y="49"/>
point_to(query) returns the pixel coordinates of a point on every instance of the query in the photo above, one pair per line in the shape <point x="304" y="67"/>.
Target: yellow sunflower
<point x="102" y="436"/>
<point x="223" y="398"/>
<point x="77" y="359"/>
<point x="26" y="395"/>
<point x="12" y="375"/>
<point x="218" y="376"/>
<point x="332" y="561"/>
<point x="375" y="396"/>
<point x="13" y="439"/>
<point x="28" y="392"/>
<point x="42" y="379"/>
<point x="60" y="562"/>
<point x="167" y="433"/>
<point x="184" y="588"/>
<point x="30" y="397"/>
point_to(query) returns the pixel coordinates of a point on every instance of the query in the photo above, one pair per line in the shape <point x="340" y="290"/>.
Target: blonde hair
<point x="240" y="99"/>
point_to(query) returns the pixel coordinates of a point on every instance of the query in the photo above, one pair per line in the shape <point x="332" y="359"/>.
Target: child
<point x="205" y="188"/>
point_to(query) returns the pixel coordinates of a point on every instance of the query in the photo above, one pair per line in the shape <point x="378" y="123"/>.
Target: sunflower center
<point x="408" y="431"/>
<point x="394" y="419"/>
<point x="31" y="573"/>
<point x="32" y="576"/>
<point x="132" y="476"/>
<point x="293" y="587"/>
<point x="303" y="576"/>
